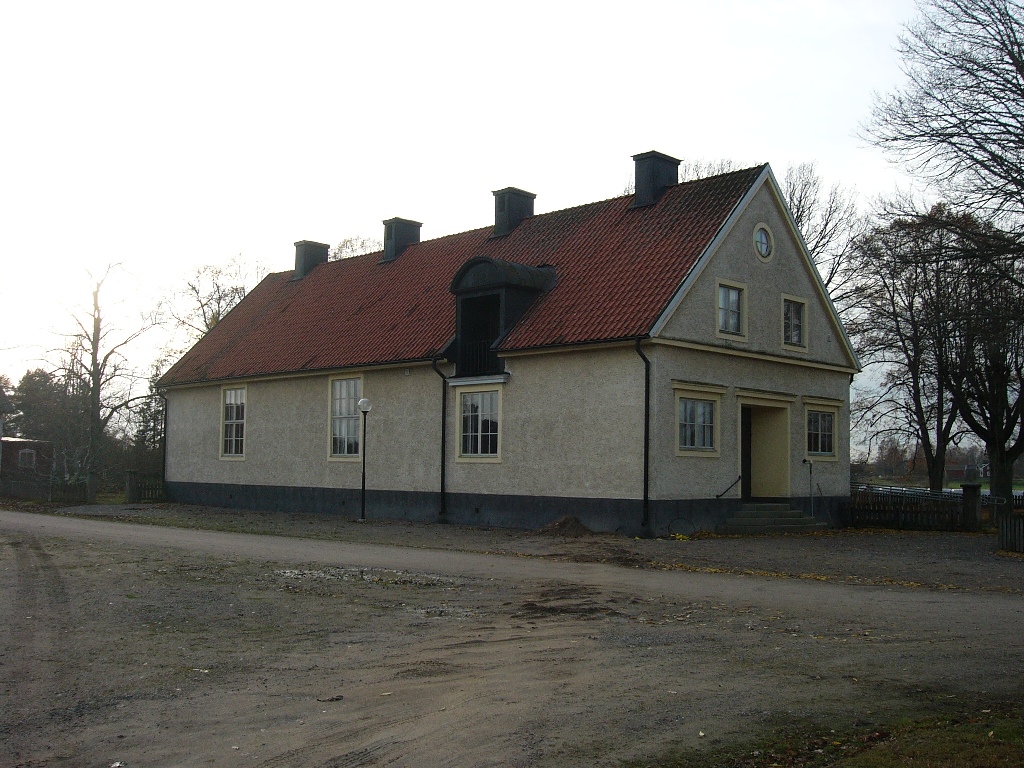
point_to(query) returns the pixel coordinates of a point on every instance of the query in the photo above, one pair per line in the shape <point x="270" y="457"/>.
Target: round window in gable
<point x="764" y="243"/>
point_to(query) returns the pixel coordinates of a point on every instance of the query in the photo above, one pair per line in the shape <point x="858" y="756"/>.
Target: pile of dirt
<point x="568" y="527"/>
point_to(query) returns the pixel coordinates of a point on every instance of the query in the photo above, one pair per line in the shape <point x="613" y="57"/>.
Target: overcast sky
<point x="166" y="136"/>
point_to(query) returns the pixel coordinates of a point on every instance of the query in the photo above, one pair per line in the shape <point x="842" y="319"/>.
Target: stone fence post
<point x="131" y="487"/>
<point x="970" y="519"/>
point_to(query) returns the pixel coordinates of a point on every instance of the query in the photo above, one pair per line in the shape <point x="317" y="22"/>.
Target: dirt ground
<point x="151" y="645"/>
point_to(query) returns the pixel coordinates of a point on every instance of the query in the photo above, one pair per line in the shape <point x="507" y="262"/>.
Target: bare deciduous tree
<point x="702" y="169"/>
<point x="959" y="120"/>
<point x="979" y="319"/>
<point x="354" y="246"/>
<point x="93" y="361"/>
<point x="829" y="222"/>
<point x="209" y="294"/>
<point x="898" y="261"/>
<point x="891" y="459"/>
<point x="946" y="314"/>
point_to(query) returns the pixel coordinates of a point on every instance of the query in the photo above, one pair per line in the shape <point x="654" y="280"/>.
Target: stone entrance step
<point x="766" y="517"/>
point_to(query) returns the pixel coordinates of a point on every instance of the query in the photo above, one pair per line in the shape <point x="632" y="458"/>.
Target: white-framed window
<point x="732" y="310"/>
<point x="480" y="423"/>
<point x="794" y="322"/>
<point x="233" y="444"/>
<point x="26" y="458"/>
<point x="345" y="394"/>
<point x="696" y="424"/>
<point x="698" y="407"/>
<point x="821" y="429"/>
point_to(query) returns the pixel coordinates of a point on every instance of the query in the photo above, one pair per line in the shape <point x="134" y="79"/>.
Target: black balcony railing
<point x="477" y="358"/>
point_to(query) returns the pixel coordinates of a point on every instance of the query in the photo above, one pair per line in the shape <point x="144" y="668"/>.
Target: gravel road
<point x="161" y="646"/>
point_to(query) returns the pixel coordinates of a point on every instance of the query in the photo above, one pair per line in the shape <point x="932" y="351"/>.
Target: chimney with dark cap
<point x="511" y="206"/>
<point x="308" y="255"/>
<point x="399" y="234"/>
<point x="654" y="173"/>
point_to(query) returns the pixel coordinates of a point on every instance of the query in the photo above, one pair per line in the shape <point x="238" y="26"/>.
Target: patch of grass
<point x="992" y="737"/>
<point x="985" y="482"/>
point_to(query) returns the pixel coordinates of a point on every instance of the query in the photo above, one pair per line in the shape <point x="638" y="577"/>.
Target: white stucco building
<point x="647" y="363"/>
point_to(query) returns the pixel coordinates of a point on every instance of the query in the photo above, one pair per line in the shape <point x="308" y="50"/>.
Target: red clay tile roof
<point x="617" y="269"/>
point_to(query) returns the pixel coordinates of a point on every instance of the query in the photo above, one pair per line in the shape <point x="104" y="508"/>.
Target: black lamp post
<point x="364" y="406"/>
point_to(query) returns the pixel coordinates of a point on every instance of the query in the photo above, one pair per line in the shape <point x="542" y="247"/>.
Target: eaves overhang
<point x="575" y="346"/>
<point x="274" y="376"/>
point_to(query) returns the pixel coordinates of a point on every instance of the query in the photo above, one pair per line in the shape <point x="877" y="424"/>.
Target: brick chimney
<point x="654" y="173"/>
<point x="399" y="234"/>
<point x="511" y="206"/>
<point x="308" y="255"/>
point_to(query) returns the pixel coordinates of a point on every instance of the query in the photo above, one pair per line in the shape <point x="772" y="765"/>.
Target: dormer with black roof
<point x="492" y="295"/>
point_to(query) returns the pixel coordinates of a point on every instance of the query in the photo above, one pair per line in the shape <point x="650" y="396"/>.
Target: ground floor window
<point x="480" y="423"/>
<point x="698" y="412"/>
<point x="345" y="394"/>
<point x="234" y="422"/>
<point x="696" y="424"/>
<point x="821" y="433"/>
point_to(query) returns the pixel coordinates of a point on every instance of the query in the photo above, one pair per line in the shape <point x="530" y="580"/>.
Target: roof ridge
<point x="757" y="168"/>
<point x="702" y="179"/>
